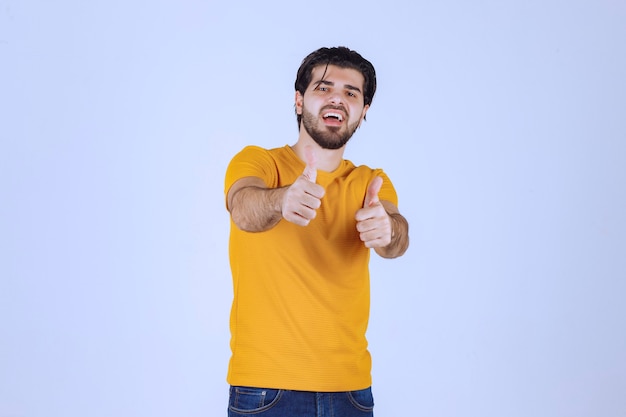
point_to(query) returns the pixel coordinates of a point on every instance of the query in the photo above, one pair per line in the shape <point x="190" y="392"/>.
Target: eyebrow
<point x="332" y="84"/>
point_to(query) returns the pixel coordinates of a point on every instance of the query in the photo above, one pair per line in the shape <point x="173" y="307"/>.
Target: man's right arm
<point x="256" y="208"/>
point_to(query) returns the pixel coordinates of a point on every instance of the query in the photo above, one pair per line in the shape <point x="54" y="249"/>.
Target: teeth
<point x="337" y="115"/>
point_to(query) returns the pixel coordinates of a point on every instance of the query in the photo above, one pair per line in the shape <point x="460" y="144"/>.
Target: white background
<point x="501" y="123"/>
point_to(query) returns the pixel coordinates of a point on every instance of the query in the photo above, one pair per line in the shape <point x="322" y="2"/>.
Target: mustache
<point x="331" y="107"/>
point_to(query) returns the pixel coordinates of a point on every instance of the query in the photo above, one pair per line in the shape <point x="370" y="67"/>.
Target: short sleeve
<point x="387" y="190"/>
<point x="252" y="161"/>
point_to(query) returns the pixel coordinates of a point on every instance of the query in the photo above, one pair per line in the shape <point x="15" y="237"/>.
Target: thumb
<point x="310" y="170"/>
<point x="371" y="197"/>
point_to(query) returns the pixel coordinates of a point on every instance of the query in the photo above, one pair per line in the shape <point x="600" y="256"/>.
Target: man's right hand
<point x="303" y="197"/>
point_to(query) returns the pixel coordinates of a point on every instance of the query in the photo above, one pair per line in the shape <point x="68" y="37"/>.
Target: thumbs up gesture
<point x="303" y="197"/>
<point x="372" y="221"/>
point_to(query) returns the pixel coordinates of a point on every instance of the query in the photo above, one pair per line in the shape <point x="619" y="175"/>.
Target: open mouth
<point x="333" y="118"/>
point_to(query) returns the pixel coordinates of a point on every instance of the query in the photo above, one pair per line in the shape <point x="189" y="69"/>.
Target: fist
<point x="304" y="196"/>
<point x="372" y="221"/>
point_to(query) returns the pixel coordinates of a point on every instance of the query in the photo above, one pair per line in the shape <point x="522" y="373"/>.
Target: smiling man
<point x="303" y="221"/>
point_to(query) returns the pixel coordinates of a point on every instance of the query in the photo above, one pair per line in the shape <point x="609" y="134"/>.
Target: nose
<point x="336" y="98"/>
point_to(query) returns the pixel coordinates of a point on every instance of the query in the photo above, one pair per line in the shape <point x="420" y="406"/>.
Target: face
<point x="332" y="107"/>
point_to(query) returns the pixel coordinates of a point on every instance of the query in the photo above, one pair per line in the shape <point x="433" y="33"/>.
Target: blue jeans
<point x="262" y="402"/>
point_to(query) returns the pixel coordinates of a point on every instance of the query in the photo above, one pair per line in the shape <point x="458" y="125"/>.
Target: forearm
<point x="257" y="209"/>
<point x="399" y="237"/>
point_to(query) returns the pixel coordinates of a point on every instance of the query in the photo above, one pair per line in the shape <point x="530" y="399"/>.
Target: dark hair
<point x="343" y="58"/>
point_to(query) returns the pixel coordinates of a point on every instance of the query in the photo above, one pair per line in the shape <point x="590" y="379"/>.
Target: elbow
<point x="241" y="222"/>
<point x="250" y="224"/>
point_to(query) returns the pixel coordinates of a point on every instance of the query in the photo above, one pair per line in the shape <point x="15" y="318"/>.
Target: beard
<point x="328" y="137"/>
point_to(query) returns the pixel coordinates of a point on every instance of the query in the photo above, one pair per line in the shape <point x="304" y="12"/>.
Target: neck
<point x="327" y="159"/>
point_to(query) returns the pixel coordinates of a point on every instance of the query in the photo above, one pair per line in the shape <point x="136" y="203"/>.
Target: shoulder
<point x="257" y="153"/>
<point x="366" y="175"/>
<point x="251" y="151"/>
<point x="276" y="166"/>
<point x="251" y="161"/>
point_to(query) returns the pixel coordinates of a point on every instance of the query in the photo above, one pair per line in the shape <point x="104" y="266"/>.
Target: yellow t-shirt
<point x="302" y="294"/>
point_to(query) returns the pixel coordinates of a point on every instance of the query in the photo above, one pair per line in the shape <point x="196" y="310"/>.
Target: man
<point x="303" y="220"/>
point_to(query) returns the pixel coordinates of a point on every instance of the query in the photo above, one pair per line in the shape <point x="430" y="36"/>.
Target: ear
<point x="299" y="102"/>
<point x="365" y="109"/>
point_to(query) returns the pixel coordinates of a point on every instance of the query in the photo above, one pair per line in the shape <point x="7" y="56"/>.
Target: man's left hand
<point x="373" y="222"/>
